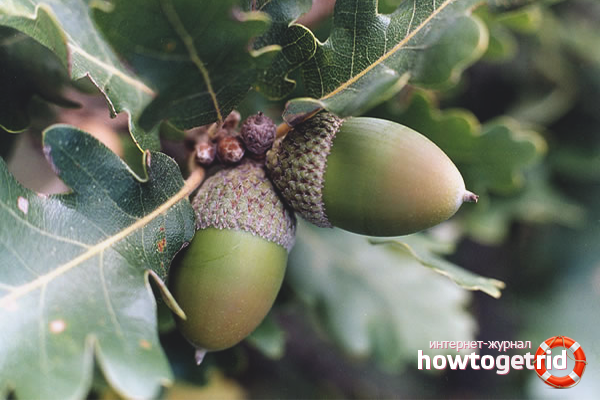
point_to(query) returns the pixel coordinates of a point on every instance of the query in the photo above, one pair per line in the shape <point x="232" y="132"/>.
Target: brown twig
<point x="282" y="130"/>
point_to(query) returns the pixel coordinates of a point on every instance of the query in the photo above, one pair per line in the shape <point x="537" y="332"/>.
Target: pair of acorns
<point x="364" y="175"/>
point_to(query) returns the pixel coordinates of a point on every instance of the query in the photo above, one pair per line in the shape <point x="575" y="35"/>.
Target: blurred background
<point x="523" y="126"/>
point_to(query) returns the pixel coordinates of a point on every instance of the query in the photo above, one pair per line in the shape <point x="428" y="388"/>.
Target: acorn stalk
<point x="366" y="175"/>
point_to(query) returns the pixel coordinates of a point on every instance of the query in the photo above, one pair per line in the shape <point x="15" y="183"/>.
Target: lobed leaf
<point x="269" y="339"/>
<point x="375" y="301"/>
<point x="426" y="251"/>
<point x="66" y="28"/>
<point x="74" y="271"/>
<point x="195" y="54"/>
<point x="370" y="56"/>
<point x="297" y="42"/>
<point x="538" y="202"/>
<point x="491" y="157"/>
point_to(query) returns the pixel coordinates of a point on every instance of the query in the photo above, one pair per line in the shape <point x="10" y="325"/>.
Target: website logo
<point x="544" y="358"/>
<point x="540" y="362"/>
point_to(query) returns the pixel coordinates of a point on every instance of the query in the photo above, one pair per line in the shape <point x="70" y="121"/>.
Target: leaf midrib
<point x="188" y="42"/>
<point x="392" y="51"/>
<point x="41" y="281"/>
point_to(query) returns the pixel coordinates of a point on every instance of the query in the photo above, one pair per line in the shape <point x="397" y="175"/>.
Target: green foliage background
<point x="510" y="90"/>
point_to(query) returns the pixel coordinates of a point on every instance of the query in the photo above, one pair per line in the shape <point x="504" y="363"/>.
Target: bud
<point x="258" y="133"/>
<point x="230" y="150"/>
<point x="205" y="153"/>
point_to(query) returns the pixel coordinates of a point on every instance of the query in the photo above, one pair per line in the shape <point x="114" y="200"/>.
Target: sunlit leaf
<point x="428" y="251"/>
<point x="369" y="56"/>
<point x="74" y="271"/>
<point x="297" y="42"/>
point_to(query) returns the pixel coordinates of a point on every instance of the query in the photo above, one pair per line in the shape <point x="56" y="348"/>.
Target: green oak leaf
<point x="269" y="339"/>
<point x="502" y="45"/>
<point x="375" y="301"/>
<point x="526" y="20"/>
<point x="427" y="251"/>
<point x="195" y="54"/>
<point x="369" y="56"/>
<point x="297" y="42"/>
<point x="66" y="28"/>
<point x="544" y="72"/>
<point x="28" y="69"/>
<point x="74" y="271"/>
<point x="502" y="26"/>
<point x="538" y="202"/>
<point x="491" y="157"/>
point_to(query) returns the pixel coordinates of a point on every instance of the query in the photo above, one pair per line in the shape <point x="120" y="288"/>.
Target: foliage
<point x="374" y="300"/>
<point x="74" y="270"/>
<point x="507" y="89"/>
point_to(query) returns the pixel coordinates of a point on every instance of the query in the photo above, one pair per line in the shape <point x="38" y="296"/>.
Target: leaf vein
<point x="42" y="332"/>
<point x="99" y="184"/>
<point x="191" y="184"/>
<point x="18" y="257"/>
<point x="41" y="231"/>
<point x="109" y="307"/>
<point x="188" y="42"/>
<point x="392" y="51"/>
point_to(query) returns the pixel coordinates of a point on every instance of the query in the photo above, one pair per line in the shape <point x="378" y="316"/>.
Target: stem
<point x="194" y="180"/>
<point x="470" y="197"/>
<point x="282" y="130"/>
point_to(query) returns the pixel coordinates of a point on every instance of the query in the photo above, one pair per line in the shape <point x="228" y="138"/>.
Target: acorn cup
<point x="231" y="273"/>
<point x="366" y="175"/>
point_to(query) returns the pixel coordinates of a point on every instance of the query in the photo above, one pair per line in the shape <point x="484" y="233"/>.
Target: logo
<point x="543" y="357"/>
<point x="540" y="362"/>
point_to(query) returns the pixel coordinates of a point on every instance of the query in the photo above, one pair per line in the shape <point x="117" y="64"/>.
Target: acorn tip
<point x="470" y="197"/>
<point x="199" y="355"/>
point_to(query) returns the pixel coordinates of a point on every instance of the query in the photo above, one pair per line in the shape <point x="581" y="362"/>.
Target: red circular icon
<point x="574" y="348"/>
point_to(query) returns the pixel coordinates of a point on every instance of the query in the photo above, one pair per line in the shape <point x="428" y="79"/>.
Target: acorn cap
<point x="297" y="166"/>
<point x="366" y="175"/>
<point x="243" y="198"/>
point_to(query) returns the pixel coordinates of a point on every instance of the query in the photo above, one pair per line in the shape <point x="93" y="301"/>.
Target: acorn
<point x="366" y="175"/>
<point x="231" y="273"/>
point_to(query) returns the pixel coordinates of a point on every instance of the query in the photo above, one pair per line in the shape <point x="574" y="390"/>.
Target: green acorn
<point x="231" y="273"/>
<point x="366" y="175"/>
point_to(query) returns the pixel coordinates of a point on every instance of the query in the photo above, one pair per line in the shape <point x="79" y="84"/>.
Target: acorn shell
<point x="226" y="284"/>
<point x="229" y="276"/>
<point x="366" y="175"/>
